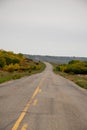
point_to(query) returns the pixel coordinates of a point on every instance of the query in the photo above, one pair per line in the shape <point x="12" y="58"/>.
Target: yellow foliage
<point x="12" y="67"/>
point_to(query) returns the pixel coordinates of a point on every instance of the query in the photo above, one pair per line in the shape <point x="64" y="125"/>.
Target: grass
<point x="6" y="76"/>
<point x="80" y="80"/>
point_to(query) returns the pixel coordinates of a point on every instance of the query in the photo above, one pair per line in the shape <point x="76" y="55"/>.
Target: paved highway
<point x="44" y="101"/>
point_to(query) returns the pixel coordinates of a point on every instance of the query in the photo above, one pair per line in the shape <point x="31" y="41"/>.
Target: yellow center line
<point x="40" y="90"/>
<point x="19" y="120"/>
<point x="24" y="127"/>
<point x="35" y="102"/>
<point x="35" y="93"/>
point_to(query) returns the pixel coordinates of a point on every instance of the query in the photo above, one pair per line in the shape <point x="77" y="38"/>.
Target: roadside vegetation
<point x="75" y="70"/>
<point x="14" y="66"/>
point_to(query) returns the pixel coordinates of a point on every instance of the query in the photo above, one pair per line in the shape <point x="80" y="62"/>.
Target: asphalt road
<point x="44" y="101"/>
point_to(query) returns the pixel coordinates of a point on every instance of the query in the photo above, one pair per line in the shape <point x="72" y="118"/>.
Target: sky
<point x="44" y="27"/>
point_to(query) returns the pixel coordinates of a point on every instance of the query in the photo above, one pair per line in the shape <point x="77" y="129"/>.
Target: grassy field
<point x="6" y="76"/>
<point x="79" y="79"/>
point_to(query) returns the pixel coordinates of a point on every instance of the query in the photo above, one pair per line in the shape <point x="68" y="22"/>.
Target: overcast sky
<point x="45" y="27"/>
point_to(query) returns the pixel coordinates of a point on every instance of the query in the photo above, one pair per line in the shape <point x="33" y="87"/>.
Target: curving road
<point x="44" y="101"/>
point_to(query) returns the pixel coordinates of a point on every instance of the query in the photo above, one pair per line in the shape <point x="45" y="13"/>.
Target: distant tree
<point x="15" y="61"/>
<point x="74" y="61"/>
<point x="2" y="62"/>
<point x="20" y="54"/>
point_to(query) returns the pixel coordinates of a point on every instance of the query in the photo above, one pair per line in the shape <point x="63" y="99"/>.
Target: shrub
<point x="61" y="68"/>
<point x="15" y="61"/>
<point x="11" y="67"/>
<point x="2" y="62"/>
<point x="74" y="67"/>
<point x="74" y="61"/>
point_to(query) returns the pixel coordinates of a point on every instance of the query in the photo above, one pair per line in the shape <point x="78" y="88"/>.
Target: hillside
<point x="55" y="59"/>
<point x="14" y="66"/>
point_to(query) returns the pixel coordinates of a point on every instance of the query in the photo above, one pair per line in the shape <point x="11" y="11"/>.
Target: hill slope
<point x="55" y="59"/>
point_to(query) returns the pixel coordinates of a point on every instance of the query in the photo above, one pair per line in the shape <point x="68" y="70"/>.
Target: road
<point x="44" y="101"/>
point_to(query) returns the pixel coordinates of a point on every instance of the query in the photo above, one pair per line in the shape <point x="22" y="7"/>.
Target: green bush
<point x="74" y="67"/>
<point x="15" y="61"/>
<point x="61" y="68"/>
<point x="2" y="62"/>
<point x="74" y="61"/>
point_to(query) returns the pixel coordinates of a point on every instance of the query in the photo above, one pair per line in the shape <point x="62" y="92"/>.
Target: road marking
<point x="15" y="127"/>
<point x="21" y="117"/>
<point x="24" y="127"/>
<point x="40" y="90"/>
<point x="35" y="93"/>
<point x="35" y="102"/>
